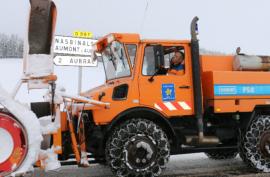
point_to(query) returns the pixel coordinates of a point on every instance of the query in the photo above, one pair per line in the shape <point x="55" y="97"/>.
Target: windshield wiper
<point x="112" y="59"/>
<point x="121" y="57"/>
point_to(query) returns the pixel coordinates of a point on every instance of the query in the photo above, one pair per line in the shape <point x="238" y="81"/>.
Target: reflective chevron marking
<point x="172" y="106"/>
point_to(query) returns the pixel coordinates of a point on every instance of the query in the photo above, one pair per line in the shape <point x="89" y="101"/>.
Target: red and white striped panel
<point x="172" y="106"/>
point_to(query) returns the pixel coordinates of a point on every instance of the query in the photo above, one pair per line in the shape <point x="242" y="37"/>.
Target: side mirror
<point x="159" y="56"/>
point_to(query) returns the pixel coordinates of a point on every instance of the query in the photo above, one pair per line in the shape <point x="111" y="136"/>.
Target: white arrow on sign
<point x="74" y="61"/>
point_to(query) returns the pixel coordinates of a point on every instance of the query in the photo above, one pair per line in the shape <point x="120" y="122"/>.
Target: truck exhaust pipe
<point x="196" y="74"/>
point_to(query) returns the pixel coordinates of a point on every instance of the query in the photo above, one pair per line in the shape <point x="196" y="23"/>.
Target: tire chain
<point x="242" y="150"/>
<point x="115" y="147"/>
<point x="222" y="155"/>
<point x="251" y="142"/>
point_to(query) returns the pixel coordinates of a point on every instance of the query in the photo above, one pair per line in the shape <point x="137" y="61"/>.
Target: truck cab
<point x="137" y="76"/>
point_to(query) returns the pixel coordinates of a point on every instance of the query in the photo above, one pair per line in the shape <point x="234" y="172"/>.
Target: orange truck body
<point x="214" y="70"/>
<point x="141" y="93"/>
<point x="218" y="70"/>
<point x="209" y="113"/>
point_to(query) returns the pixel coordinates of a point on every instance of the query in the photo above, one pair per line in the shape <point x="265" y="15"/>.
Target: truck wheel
<point x="137" y="147"/>
<point x="256" y="143"/>
<point x="222" y="155"/>
<point x="13" y="144"/>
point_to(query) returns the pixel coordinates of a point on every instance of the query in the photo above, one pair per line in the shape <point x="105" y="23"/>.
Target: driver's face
<point x="178" y="58"/>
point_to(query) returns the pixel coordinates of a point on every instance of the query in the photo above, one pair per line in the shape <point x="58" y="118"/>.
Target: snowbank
<point x="33" y="129"/>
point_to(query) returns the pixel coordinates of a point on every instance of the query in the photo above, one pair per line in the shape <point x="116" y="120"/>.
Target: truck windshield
<point x="115" y="61"/>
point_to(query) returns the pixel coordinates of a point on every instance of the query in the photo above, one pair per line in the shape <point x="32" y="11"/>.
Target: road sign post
<point x="75" y="51"/>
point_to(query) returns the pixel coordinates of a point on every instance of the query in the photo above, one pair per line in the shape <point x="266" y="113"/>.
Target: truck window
<point x="148" y="61"/>
<point x="174" y="57"/>
<point x="115" y="61"/>
<point x="131" y="48"/>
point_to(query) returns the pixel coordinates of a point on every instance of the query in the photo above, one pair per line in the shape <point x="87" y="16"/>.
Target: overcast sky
<point x="223" y="26"/>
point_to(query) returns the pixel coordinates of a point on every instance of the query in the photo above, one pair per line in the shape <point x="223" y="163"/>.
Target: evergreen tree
<point x="11" y="46"/>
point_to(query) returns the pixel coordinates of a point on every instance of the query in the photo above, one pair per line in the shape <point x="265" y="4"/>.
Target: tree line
<point x="11" y="46"/>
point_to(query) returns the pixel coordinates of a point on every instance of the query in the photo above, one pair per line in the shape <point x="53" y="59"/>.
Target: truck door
<point x="168" y="93"/>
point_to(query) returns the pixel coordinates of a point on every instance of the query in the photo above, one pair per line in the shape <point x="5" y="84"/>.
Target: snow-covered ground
<point x="188" y="165"/>
<point x="11" y="71"/>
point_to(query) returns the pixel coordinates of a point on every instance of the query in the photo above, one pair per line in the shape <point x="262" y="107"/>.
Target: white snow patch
<point x="48" y="126"/>
<point x="50" y="160"/>
<point x="84" y="159"/>
<point x="32" y="126"/>
<point x="38" y="65"/>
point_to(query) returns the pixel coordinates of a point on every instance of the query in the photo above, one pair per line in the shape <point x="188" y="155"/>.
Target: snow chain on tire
<point x="222" y="155"/>
<point x="132" y="134"/>
<point x="256" y="143"/>
<point x="242" y="152"/>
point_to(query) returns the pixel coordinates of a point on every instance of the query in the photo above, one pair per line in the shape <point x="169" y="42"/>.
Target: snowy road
<point x="190" y="165"/>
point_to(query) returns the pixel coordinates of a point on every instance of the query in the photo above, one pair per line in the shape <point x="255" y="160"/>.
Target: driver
<point x="177" y="66"/>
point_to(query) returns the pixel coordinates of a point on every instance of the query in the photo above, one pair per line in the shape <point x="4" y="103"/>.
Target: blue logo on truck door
<point x="168" y="92"/>
<point x="241" y="89"/>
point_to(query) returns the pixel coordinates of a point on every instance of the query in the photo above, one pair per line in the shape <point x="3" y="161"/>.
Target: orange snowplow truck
<point x="212" y="106"/>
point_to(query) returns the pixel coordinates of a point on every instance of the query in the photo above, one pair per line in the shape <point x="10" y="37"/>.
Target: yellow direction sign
<point x="83" y="34"/>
